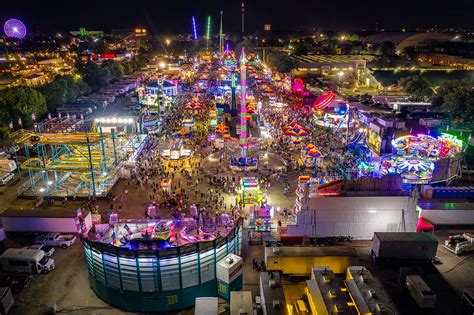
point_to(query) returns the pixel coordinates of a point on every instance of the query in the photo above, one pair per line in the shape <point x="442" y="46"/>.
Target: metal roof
<point x="394" y="37"/>
<point x="25" y="253"/>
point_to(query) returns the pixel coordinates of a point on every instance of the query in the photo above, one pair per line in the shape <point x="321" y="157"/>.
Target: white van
<point x="24" y="260"/>
<point x="6" y="178"/>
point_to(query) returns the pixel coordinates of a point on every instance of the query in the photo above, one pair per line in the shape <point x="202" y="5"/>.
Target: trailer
<point x="460" y="244"/>
<point x="417" y="246"/>
<point x="206" y="306"/>
<point x="7" y="166"/>
<point x="420" y="291"/>
<point x="42" y="220"/>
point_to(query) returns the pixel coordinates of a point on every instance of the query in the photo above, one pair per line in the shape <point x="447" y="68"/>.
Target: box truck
<point x="419" y="246"/>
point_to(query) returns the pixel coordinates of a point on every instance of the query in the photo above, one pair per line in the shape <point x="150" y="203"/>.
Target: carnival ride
<point x="324" y="100"/>
<point x="14" y="28"/>
<point x="151" y="122"/>
<point x="228" y="59"/>
<point x="164" y="233"/>
<point x="424" y="145"/>
<point x="415" y="157"/>
<point x="73" y="164"/>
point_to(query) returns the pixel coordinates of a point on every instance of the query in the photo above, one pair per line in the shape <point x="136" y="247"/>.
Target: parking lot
<point x="68" y="286"/>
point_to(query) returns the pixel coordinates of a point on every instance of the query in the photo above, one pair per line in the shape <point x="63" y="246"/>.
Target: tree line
<point x="455" y="97"/>
<point x="19" y="106"/>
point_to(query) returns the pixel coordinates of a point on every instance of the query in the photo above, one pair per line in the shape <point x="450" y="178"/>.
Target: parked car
<point x="48" y="250"/>
<point x="56" y="239"/>
<point x="6" y="178"/>
<point x="16" y="282"/>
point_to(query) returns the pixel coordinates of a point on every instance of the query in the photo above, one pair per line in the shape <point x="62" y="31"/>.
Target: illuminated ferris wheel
<point x="14" y="28"/>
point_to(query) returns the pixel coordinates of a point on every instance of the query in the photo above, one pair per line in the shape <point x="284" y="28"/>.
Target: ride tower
<point x="243" y="106"/>
<point x="233" y="87"/>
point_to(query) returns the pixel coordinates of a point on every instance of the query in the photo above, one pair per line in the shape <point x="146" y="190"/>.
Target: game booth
<point x="311" y="156"/>
<point x="261" y="218"/>
<point x="249" y="192"/>
<point x="176" y="153"/>
<point x="295" y="131"/>
<point x="303" y="184"/>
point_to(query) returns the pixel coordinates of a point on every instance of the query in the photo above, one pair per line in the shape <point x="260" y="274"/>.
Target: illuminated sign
<point x="374" y="141"/>
<point x="267" y="27"/>
<point x="451" y="138"/>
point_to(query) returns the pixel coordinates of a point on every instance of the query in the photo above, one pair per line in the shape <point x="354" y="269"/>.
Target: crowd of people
<point x="176" y="187"/>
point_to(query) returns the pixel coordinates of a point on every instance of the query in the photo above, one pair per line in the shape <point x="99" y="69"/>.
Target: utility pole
<point x="243" y="18"/>
<point x="221" y="37"/>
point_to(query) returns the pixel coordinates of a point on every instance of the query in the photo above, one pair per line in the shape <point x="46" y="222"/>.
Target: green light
<point x="208" y="32"/>
<point x="233" y="80"/>
<point x="452" y="138"/>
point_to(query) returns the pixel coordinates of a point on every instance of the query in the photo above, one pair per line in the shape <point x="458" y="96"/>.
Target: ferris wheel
<point x="14" y="28"/>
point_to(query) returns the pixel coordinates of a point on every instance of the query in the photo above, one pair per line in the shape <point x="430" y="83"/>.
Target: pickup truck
<point x="460" y="244"/>
<point x="56" y="239"/>
<point x="48" y="250"/>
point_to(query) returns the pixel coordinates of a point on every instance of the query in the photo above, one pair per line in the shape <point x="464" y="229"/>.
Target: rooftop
<point x="40" y="213"/>
<point x="322" y="59"/>
<point x="272" y="293"/>
<point x="310" y="251"/>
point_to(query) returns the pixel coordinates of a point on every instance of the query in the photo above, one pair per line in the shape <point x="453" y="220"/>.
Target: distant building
<point x="311" y="63"/>
<point x="128" y="39"/>
<point x="267" y="27"/>
<point x="402" y="40"/>
<point x="444" y="60"/>
<point x="36" y="79"/>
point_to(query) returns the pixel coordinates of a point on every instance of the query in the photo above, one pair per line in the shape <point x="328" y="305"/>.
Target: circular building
<point x="402" y="40"/>
<point x="150" y="277"/>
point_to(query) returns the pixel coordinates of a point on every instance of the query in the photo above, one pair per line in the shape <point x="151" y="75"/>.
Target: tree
<point x="301" y="50"/>
<point x="21" y="102"/>
<point x="387" y="48"/>
<point x="411" y="52"/>
<point x="286" y="64"/>
<point x="94" y="75"/>
<point x="282" y="62"/>
<point x="247" y="44"/>
<point x="128" y="68"/>
<point x="456" y="98"/>
<point x="418" y="87"/>
<point x="64" y="89"/>
<point x="115" y="68"/>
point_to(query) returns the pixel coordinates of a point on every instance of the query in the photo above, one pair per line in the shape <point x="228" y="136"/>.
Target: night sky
<point x="175" y="15"/>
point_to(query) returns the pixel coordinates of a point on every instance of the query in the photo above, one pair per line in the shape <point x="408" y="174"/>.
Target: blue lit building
<point x="161" y="280"/>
